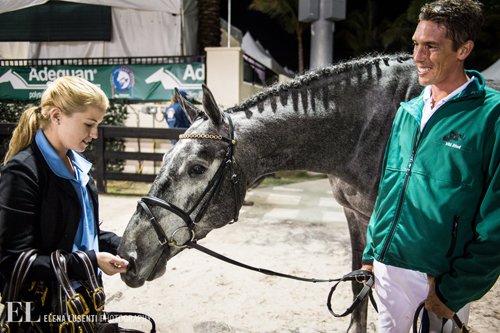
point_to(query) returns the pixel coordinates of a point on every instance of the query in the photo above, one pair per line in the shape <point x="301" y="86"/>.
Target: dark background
<point x="283" y="46"/>
<point x="57" y="21"/>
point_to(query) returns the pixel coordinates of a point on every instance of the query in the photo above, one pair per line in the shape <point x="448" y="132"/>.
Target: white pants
<point x="399" y="292"/>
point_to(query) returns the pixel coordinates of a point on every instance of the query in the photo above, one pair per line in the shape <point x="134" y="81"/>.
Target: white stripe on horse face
<point x="184" y="186"/>
<point x="200" y="184"/>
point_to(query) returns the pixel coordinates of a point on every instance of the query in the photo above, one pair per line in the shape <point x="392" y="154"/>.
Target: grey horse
<point x="334" y="120"/>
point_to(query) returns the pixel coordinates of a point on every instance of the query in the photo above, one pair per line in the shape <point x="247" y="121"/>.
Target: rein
<point x="424" y="325"/>
<point x="360" y="276"/>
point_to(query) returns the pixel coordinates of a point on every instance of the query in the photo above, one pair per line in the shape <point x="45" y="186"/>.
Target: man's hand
<point x="434" y="304"/>
<point x="367" y="268"/>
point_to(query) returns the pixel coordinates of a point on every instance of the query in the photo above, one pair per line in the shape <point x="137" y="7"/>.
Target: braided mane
<point x="354" y="68"/>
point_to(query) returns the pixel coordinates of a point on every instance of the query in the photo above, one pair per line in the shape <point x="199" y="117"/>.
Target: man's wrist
<point x="367" y="261"/>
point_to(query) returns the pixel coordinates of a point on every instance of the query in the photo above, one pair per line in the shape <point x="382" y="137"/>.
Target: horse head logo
<point x="169" y="81"/>
<point x="18" y="83"/>
<point x="453" y="136"/>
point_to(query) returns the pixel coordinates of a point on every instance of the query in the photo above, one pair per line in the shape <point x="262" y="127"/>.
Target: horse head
<point x="189" y="196"/>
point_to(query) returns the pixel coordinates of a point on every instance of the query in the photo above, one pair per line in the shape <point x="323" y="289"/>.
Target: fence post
<point x="100" y="162"/>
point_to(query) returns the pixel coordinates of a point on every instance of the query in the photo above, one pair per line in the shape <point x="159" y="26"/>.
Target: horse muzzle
<point x="143" y="269"/>
<point x="131" y="278"/>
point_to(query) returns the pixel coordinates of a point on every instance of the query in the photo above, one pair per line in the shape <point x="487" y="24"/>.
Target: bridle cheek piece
<point x="203" y="202"/>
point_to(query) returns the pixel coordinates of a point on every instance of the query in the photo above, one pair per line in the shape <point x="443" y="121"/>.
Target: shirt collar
<point x="428" y="94"/>
<point x="81" y="165"/>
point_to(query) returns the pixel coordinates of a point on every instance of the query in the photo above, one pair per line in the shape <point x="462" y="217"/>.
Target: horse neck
<point x="332" y="126"/>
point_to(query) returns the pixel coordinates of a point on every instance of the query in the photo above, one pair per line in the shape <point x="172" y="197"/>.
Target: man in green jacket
<point x="434" y="235"/>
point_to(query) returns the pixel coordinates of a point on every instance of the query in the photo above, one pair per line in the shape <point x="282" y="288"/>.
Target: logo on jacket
<point x="453" y="136"/>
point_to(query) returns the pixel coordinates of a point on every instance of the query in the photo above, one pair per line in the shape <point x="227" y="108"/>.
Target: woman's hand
<point x="111" y="264"/>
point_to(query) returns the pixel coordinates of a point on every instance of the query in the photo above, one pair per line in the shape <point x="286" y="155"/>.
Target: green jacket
<point x="438" y="206"/>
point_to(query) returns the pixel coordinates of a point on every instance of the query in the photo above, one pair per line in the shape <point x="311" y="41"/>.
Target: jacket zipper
<point x="454" y="232"/>
<point x="416" y="143"/>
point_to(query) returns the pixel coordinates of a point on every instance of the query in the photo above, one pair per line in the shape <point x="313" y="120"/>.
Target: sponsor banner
<point x="132" y="82"/>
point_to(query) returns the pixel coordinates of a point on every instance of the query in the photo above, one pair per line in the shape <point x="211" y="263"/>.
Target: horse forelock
<point x="354" y="71"/>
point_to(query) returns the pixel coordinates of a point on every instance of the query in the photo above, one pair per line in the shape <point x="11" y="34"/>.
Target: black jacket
<point x="41" y="210"/>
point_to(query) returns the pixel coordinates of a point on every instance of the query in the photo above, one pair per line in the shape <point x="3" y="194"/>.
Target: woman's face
<point x="76" y="131"/>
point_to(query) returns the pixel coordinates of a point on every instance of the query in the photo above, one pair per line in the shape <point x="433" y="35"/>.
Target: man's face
<point x="437" y="63"/>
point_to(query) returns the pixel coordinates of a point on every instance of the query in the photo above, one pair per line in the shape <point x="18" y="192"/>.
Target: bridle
<point x="203" y="202"/>
<point x="360" y="276"/>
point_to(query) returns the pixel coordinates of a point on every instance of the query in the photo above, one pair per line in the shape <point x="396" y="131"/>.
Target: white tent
<point x="492" y="72"/>
<point x="139" y="28"/>
<point x="255" y="50"/>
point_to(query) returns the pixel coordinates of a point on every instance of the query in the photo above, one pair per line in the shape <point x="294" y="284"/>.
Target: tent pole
<point x="228" y="23"/>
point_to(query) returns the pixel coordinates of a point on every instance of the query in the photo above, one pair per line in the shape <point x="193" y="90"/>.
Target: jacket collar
<point x="62" y="183"/>
<point x="474" y="89"/>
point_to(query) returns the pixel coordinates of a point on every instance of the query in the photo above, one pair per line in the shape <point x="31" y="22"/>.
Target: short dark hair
<point x="461" y="18"/>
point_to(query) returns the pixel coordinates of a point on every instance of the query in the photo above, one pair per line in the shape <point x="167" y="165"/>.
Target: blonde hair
<point x="70" y="94"/>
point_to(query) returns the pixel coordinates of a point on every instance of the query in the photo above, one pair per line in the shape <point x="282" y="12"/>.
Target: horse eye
<point x="197" y="169"/>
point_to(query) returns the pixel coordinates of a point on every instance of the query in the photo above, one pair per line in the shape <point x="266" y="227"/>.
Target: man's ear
<point x="464" y="50"/>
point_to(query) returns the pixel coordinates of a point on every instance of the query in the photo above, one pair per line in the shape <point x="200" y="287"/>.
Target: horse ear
<point x="192" y="111"/>
<point x="211" y="109"/>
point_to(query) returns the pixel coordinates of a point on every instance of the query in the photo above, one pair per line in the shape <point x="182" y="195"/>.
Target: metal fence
<point x="255" y="72"/>
<point x="100" y="61"/>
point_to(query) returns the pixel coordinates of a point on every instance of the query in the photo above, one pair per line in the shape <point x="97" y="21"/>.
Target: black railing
<point x="255" y="72"/>
<point x="5" y="135"/>
<point x="101" y="61"/>
<point x="100" y="156"/>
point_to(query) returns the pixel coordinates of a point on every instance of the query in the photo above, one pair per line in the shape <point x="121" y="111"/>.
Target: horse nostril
<point x="131" y="265"/>
<point x="131" y="262"/>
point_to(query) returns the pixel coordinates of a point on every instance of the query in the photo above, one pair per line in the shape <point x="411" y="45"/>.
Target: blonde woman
<point x="48" y="200"/>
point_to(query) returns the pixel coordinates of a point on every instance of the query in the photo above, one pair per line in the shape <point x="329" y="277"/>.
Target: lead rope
<point x="360" y="276"/>
<point x="425" y="321"/>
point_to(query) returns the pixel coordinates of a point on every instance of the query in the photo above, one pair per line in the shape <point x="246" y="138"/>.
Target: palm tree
<point x="208" y="24"/>
<point x="286" y="12"/>
<point x="486" y="49"/>
<point x="397" y="37"/>
<point x="363" y="29"/>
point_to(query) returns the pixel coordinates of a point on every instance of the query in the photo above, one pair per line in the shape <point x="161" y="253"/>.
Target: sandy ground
<point x="201" y="294"/>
